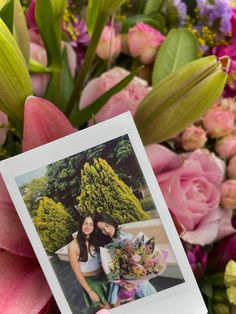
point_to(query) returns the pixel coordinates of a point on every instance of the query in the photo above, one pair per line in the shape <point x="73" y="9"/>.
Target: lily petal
<point x="21" y="277"/>
<point x="43" y="123"/>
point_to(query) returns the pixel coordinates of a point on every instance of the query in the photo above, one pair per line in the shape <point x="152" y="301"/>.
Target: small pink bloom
<point x="44" y="123"/>
<point x="3" y="127"/>
<point x="218" y="121"/>
<point x="226" y="146"/>
<point x="193" y="137"/>
<point x="228" y="194"/>
<point x="126" y="100"/>
<point x="191" y="191"/>
<point x="136" y="258"/>
<point x="109" y="44"/>
<point x="143" y="42"/>
<point x="39" y="80"/>
<point x="38" y="53"/>
<point x="231" y="169"/>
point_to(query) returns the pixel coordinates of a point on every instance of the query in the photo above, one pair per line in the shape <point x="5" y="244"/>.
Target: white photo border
<point x="183" y="298"/>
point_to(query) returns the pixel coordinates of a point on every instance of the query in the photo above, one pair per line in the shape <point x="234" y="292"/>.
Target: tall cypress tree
<point x="103" y="191"/>
<point x="54" y="224"/>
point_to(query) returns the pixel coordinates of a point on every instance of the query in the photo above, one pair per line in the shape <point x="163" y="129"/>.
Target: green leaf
<point x="84" y="115"/>
<point x="20" y="30"/>
<point x="92" y="14"/>
<point x="47" y="28"/>
<point x="67" y="82"/>
<point x="153" y="6"/>
<point x="7" y="14"/>
<point x="132" y="20"/>
<point x="179" y="48"/>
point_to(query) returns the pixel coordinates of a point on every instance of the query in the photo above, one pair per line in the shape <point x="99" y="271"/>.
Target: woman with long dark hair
<point x="108" y="230"/>
<point x="85" y="263"/>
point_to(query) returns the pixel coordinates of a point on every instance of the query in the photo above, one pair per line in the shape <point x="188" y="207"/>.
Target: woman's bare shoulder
<point x="73" y="246"/>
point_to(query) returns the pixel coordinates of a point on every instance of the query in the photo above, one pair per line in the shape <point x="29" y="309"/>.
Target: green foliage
<point x="103" y="191"/>
<point x="54" y="224"/>
<point x="64" y="180"/>
<point x="179" y="48"/>
<point x="35" y="190"/>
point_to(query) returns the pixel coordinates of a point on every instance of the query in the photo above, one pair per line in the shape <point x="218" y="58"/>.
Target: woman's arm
<point x="73" y="252"/>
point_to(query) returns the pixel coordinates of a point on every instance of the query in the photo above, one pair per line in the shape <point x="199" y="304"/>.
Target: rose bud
<point x="3" y="127"/>
<point x="218" y="121"/>
<point x="226" y="146"/>
<point x="231" y="169"/>
<point x="109" y="44"/>
<point x="143" y="42"/>
<point x="193" y="138"/>
<point x="228" y="194"/>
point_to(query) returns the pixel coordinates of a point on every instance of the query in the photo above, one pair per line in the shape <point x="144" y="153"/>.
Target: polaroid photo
<point x="99" y="225"/>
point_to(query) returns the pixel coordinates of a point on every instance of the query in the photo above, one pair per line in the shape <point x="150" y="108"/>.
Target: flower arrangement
<point x="65" y="65"/>
<point x="135" y="260"/>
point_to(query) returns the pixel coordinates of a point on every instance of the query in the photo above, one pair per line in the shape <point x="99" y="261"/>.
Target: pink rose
<point x="109" y="44"/>
<point x="193" y="137"/>
<point x="143" y="42"/>
<point x="3" y="127"/>
<point x="228" y="194"/>
<point x="226" y="146"/>
<point x="126" y="100"/>
<point x="190" y="184"/>
<point x="231" y="169"/>
<point x="218" y="121"/>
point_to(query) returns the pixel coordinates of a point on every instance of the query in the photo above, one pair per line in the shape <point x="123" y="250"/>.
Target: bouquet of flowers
<point x="135" y="260"/>
<point x="67" y="64"/>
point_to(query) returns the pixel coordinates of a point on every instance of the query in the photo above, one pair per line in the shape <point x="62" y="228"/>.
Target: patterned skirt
<point x="99" y="285"/>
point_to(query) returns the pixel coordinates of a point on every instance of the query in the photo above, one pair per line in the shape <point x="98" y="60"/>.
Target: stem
<point x="75" y="96"/>
<point x="111" y="39"/>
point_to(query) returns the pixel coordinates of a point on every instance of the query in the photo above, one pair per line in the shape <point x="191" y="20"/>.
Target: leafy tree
<point x="103" y="191"/>
<point x="54" y="224"/>
<point x="64" y="180"/>
<point x="33" y="192"/>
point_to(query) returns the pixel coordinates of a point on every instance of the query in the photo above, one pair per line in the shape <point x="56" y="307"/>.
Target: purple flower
<point x="198" y="260"/>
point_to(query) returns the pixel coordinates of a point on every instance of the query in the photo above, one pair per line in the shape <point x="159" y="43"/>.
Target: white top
<point x="93" y="263"/>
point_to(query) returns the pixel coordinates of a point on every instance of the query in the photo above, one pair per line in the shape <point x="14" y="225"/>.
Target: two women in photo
<point x="94" y="232"/>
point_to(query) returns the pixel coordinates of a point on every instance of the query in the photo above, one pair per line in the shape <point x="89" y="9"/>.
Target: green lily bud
<point x="179" y="99"/>
<point x="231" y="294"/>
<point x="58" y="7"/>
<point x="15" y="81"/>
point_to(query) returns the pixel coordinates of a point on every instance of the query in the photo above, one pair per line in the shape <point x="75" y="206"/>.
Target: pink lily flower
<point x="23" y="288"/>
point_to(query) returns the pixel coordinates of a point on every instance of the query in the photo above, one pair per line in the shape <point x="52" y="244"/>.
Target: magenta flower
<point x="23" y="287"/>
<point x="198" y="260"/>
<point x="3" y="127"/>
<point x="223" y="251"/>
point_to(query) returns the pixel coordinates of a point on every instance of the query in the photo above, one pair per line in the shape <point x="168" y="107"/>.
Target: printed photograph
<point x="100" y="228"/>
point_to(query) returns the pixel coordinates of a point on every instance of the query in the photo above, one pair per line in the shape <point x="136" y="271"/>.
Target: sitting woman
<point x="85" y="263"/>
<point x="109" y="231"/>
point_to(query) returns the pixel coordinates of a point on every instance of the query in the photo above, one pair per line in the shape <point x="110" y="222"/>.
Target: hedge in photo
<point x="54" y="224"/>
<point x="103" y="191"/>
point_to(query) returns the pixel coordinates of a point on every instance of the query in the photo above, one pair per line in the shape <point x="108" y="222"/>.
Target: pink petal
<point x="206" y="231"/>
<point x="23" y="288"/>
<point x="13" y="237"/>
<point x="162" y="159"/>
<point x="43" y="123"/>
<point x="225" y="227"/>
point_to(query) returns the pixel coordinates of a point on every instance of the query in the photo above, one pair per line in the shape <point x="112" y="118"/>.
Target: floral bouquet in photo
<point x="68" y="64"/>
<point x="133" y="260"/>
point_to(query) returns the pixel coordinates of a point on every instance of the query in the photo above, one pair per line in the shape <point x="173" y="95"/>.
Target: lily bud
<point x="15" y="81"/>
